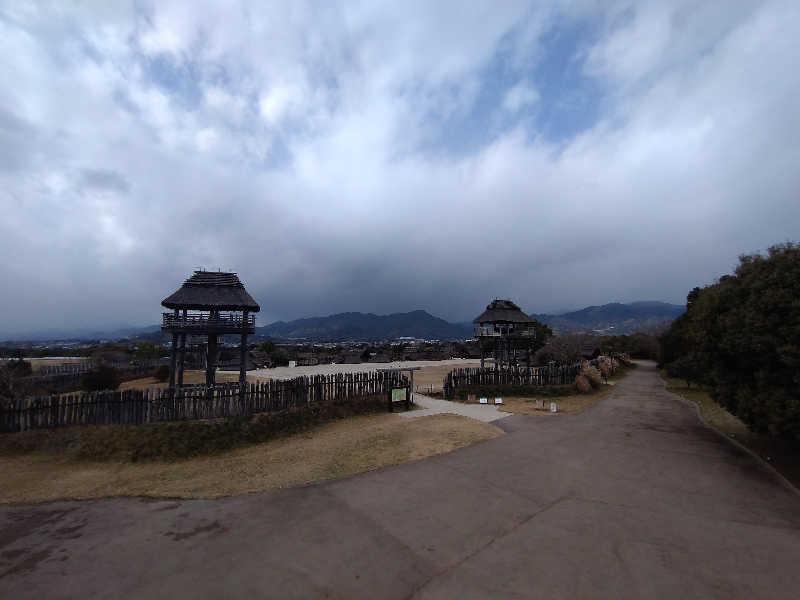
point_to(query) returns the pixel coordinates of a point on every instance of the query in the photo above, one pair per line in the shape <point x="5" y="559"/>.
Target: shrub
<point x="19" y="368"/>
<point x="101" y="378"/>
<point x="161" y="373"/>
<point x="605" y="368"/>
<point x="582" y="384"/>
<point x="593" y="376"/>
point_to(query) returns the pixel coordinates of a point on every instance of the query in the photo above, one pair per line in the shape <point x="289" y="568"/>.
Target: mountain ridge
<point x="614" y="318"/>
<point x="352" y="326"/>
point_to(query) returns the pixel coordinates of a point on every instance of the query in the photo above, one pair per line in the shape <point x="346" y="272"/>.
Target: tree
<point x="6" y="383"/>
<point x="18" y="368"/>
<point x="543" y="335"/>
<point x="741" y="337"/>
<point x="149" y="350"/>
<point x="101" y="378"/>
<point x="267" y="346"/>
<point x="161" y="373"/>
<point x="563" y="349"/>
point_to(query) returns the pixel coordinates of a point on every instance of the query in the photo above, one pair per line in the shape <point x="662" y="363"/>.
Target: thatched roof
<point x="210" y="290"/>
<point x="502" y="311"/>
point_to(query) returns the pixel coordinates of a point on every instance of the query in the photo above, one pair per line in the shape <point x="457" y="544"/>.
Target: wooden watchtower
<point x="502" y="329"/>
<point x="209" y="304"/>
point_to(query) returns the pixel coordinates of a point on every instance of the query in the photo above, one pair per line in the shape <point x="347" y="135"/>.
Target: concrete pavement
<point x="434" y="406"/>
<point x="633" y="498"/>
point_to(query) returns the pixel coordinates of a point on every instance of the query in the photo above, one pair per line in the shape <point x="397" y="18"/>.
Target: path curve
<point x="633" y="498"/>
<point x="428" y="406"/>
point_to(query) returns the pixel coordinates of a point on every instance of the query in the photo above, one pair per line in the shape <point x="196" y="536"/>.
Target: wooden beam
<point x="243" y="355"/>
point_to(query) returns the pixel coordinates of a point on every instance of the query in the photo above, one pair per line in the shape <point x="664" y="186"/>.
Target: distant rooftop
<point x="212" y="290"/>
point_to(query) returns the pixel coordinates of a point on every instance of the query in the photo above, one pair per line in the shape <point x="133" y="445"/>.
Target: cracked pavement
<point x="633" y="498"/>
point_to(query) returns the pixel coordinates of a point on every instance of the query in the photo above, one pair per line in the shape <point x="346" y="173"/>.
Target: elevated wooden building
<point x="503" y="331"/>
<point x="208" y="304"/>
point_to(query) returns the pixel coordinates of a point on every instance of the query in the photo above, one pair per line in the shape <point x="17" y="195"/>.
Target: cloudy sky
<point x="389" y="156"/>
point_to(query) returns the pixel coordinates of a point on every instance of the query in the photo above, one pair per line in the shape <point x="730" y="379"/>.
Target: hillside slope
<point x="614" y="318"/>
<point x="366" y="326"/>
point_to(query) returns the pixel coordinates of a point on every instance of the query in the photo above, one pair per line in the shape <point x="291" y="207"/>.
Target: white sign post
<point x="553" y="407"/>
<point x="484" y="401"/>
<point x="498" y="400"/>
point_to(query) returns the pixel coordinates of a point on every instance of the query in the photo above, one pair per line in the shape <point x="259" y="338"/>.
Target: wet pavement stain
<point x="211" y="527"/>
<point x="25" y="522"/>
<point x="28" y="564"/>
<point x="168" y="507"/>
<point x="70" y="533"/>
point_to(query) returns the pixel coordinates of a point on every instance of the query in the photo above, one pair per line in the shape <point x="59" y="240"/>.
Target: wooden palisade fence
<point x="192" y="402"/>
<point x="84" y="366"/>
<point x="511" y="376"/>
<point x="69" y="376"/>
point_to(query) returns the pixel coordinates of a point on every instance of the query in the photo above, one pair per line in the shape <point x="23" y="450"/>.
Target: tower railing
<point x="492" y="332"/>
<point x="206" y="322"/>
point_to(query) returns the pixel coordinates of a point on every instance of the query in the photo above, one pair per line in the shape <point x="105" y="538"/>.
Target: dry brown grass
<point x="333" y="450"/>
<point x="566" y="404"/>
<point x="429" y="379"/>
<point x="189" y="378"/>
<point x="426" y="379"/>
<point x="37" y="363"/>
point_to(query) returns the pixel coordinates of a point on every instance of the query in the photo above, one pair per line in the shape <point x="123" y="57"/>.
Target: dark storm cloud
<point x="387" y="157"/>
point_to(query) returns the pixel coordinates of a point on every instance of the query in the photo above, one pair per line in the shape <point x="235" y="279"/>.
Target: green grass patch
<point x="180" y="439"/>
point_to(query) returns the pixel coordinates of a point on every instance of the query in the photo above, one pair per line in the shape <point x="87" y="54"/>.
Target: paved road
<point x="633" y="498"/>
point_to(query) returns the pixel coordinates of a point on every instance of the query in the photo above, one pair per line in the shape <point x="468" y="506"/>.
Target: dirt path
<point x="632" y="498"/>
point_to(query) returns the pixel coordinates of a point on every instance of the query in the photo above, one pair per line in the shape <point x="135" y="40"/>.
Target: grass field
<point x="573" y="403"/>
<point x="567" y="399"/>
<point x="781" y="454"/>
<point x="336" y="449"/>
<point x="189" y="378"/>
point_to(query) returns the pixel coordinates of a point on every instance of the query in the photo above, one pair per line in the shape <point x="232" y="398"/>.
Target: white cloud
<point x="520" y="96"/>
<point x="276" y="102"/>
<point x="311" y="148"/>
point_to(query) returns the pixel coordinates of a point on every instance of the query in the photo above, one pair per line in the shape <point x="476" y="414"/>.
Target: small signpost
<point x="403" y="394"/>
<point x="484" y="401"/>
<point x="553" y="407"/>
<point x="498" y="400"/>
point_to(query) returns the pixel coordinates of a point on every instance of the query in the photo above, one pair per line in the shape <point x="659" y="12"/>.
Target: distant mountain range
<point x="609" y="319"/>
<point x="366" y="326"/>
<point x="48" y="335"/>
<point x="614" y="318"/>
